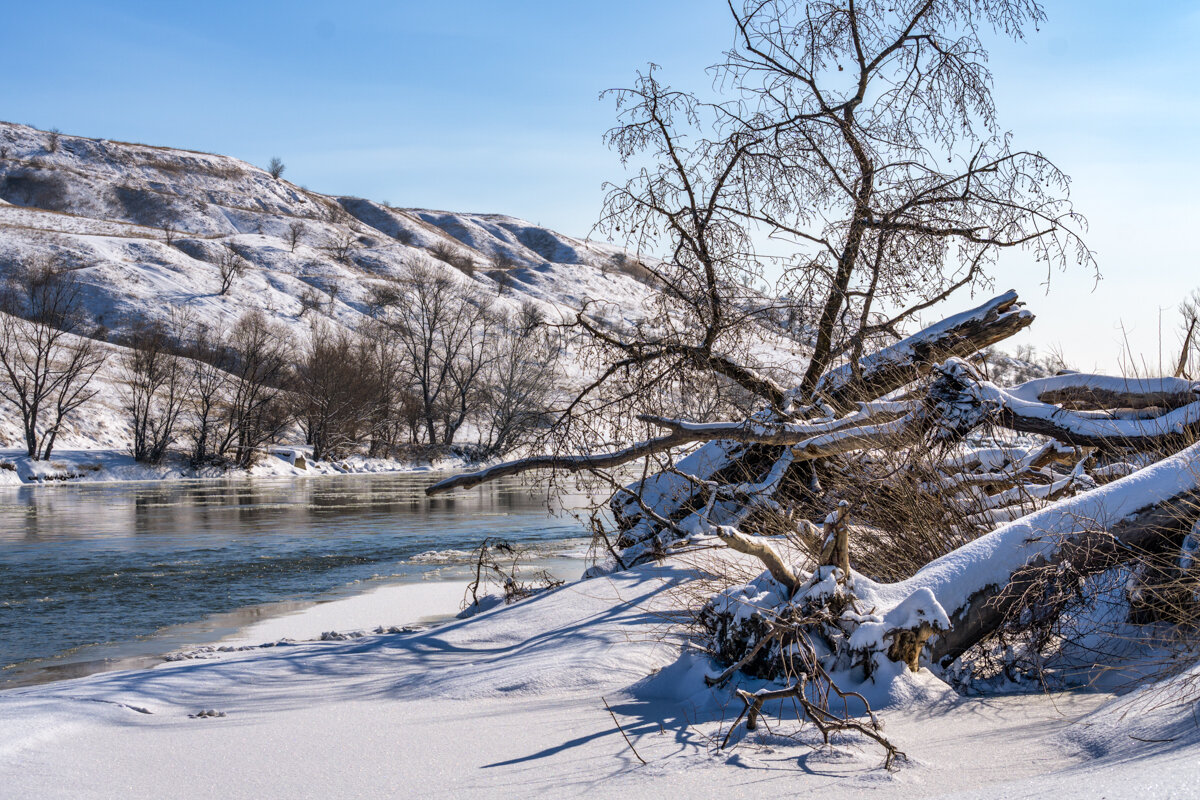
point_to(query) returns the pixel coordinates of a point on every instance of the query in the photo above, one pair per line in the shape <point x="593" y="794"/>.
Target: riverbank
<point x="101" y="575"/>
<point x="107" y="466"/>
<point x="514" y="702"/>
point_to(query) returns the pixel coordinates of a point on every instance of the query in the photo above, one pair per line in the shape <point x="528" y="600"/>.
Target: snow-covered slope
<point x="109" y="208"/>
<point x="144" y="228"/>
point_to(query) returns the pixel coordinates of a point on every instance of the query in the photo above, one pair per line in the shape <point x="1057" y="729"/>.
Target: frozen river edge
<point x="511" y="702"/>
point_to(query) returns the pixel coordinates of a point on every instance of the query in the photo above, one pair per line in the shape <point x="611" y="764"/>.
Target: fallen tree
<point x="1050" y="510"/>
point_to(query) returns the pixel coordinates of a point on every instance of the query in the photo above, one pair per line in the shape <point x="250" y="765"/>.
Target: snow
<point x="508" y="703"/>
<point x="422" y="602"/>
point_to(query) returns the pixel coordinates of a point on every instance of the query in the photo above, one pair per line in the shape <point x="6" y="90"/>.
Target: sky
<point x="479" y="105"/>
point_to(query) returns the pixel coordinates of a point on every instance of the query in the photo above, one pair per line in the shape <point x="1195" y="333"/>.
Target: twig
<point x="622" y="730"/>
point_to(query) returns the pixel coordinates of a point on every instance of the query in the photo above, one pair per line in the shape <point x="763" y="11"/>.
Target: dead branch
<point x="761" y="550"/>
<point x="581" y="463"/>
<point x="825" y="721"/>
<point x="907" y="360"/>
<point x="622" y="730"/>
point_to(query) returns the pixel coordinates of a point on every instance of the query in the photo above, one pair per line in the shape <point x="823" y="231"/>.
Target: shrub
<point x="34" y="188"/>
<point x="144" y="206"/>
<point x="340" y="247"/>
<point x="230" y="265"/>
<point x="295" y="233"/>
<point x="458" y="259"/>
<point x="503" y="260"/>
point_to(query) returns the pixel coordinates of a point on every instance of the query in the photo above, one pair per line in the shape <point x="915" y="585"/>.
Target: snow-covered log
<point x="979" y="583"/>
<point x="1087" y="392"/>
<point x="907" y="360"/>
<point x="1021" y="409"/>
<point x="844" y="389"/>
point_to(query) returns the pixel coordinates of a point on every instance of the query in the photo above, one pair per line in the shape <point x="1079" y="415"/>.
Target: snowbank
<point x="509" y="703"/>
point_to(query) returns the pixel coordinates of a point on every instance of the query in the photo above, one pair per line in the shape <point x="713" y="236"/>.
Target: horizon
<point x="368" y="103"/>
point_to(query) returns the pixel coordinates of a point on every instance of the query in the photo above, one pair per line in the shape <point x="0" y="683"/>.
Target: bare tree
<point x="47" y="358"/>
<point x="310" y="300"/>
<point x="334" y="393"/>
<point x="206" y="402"/>
<point x="276" y="167"/>
<point x="441" y="331"/>
<point x="504" y="282"/>
<point x="156" y="383"/>
<point x="862" y="136"/>
<point x="169" y="222"/>
<point x="1189" y="311"/>
<point x="230" y="266"/>
<point x="295" y="234"/>
<point x="255" y="411"/>
<point x="392" y="406"/>
<point x="521" y="380"/>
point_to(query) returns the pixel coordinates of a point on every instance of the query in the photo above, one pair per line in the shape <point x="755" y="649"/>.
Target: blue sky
<point x="486" y="106"/>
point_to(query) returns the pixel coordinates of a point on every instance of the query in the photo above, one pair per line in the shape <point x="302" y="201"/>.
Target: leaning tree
<point x="854" y="149"/>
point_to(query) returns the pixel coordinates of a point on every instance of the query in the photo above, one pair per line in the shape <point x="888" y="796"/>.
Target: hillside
<point x="144" y="229"/>
<point x="109" y="208"/>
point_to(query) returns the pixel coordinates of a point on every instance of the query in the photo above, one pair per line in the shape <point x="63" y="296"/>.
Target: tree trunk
<point x="980" y="583"/>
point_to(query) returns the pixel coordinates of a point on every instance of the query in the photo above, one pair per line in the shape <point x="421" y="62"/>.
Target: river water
<point x="96" y="576"/>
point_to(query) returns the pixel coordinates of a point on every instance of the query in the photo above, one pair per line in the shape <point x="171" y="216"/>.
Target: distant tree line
<point x="435" y="358"/>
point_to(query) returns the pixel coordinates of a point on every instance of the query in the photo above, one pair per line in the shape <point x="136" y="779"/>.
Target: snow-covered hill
<point x="144" y="226"/>
<point x="144" y="229"/>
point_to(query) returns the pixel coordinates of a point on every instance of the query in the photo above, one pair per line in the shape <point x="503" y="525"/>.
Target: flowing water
<point x="94" y="576"/>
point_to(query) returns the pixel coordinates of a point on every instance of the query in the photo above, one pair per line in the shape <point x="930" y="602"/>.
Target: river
<point x="98" y="576"/>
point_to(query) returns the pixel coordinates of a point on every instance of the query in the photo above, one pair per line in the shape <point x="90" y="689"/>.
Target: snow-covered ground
<point x="511" y="702"/>
<point x="95" y="465"/>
